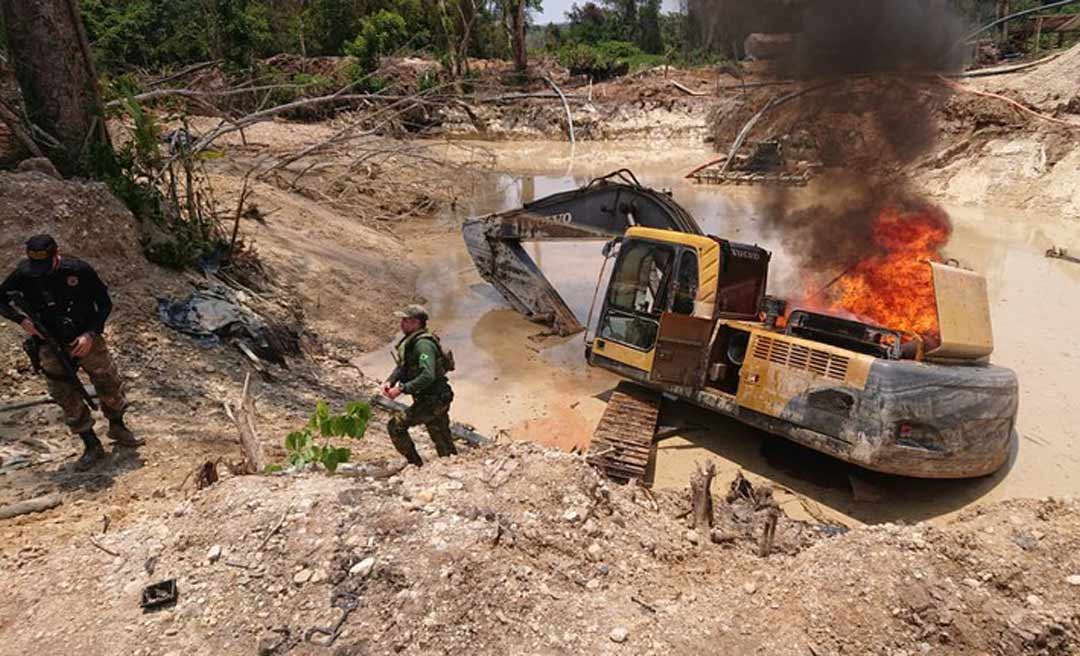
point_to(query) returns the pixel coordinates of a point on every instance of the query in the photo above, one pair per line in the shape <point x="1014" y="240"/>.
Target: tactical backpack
<point x="446" y="362"/>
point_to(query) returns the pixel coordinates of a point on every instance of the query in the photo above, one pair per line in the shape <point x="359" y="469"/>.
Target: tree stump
<point x="244" y="418"/>
<point x="767" y="504"/>
<point x="701" y="502"/>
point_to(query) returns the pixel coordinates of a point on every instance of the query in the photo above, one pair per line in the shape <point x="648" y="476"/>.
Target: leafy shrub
<point x="604" y="60"/>
<point x="302" y="449"/>
<point x="380" y="34"/>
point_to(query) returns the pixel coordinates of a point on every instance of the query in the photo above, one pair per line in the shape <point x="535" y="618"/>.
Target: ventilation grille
<point x="801" y="357"/>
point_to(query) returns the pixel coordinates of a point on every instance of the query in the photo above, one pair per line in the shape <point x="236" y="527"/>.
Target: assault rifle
<point x="58" y="349"/>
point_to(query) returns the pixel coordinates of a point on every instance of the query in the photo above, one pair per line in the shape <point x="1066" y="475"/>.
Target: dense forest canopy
<point x="159" y="35"/>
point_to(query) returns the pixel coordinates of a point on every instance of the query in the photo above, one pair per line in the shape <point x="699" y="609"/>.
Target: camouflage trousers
<point x="434" y="414"/>
<point x="98" y="364"/>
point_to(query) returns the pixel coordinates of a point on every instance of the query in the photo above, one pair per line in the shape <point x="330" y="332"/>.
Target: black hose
<point x="1019" y="14"/>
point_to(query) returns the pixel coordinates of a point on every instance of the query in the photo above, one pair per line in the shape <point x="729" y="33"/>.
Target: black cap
<point x="40" y="251"/>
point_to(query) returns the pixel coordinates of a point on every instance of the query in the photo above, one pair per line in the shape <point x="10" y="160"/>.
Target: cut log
<point x="243" y="417"/>
<point x="701" y="502"/>
<point x="34" y="505"/>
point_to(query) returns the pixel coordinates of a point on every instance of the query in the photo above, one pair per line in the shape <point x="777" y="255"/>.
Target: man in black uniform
<point x="73" y="303"/>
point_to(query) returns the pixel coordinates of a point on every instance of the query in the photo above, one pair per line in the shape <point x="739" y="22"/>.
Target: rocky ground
<point x="514" y="549"/>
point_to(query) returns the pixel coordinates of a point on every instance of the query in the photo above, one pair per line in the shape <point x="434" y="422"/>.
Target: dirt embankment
<point x="336" y="279"/>
<point x="518" y="549"/>
<point x="1018" y="150"/>
<point x="646" y="105"/>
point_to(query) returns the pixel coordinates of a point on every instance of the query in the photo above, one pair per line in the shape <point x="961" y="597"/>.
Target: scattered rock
<point x="595" y="551"/>
<point x="425" y="496"/>
<point x="362" y="568"/>
<point x="750" y="588"/>
<point x="693" y="537"/>
<point x="1073" y="580"/>
<point x="619" y="634"/>
<point x="570" y="516"/>
<point x="214" y="554"/>
<point x="303" y="576"/>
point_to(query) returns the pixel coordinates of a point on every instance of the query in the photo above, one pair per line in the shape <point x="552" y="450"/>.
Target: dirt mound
<point x="1051" y="87"/>
<point x="482" y="554"/>
<point x="84" y="217"/>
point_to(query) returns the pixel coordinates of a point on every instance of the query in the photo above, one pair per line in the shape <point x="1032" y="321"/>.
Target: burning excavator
<point x="872" y="371"/>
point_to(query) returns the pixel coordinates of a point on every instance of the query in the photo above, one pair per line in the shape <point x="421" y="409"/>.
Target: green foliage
<point x="302" y="447"/>
<point x="380" y="34"/>
<point x="605" y="59"/>
<point x="169" y="195"/>
<point x="239" y="31"/>
<point x="428" y="81"/>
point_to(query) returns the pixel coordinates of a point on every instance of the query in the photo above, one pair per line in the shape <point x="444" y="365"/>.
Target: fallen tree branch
<point x="35" y="505"/>
<point x="11" y="119"/>
<point x="187" y="71"/>
<point x="685" y="89"/>
<point x="103" y="548"/>
<point x="1004" y="70"/>
<point x="273" y="531"/>
<point x="566" y="107"/>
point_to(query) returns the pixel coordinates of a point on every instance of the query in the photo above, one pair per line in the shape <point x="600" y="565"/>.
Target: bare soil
<point x="482" y="554"/>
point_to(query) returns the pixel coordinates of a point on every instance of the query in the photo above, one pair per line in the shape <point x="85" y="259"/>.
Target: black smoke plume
<point x="874" y="112"/>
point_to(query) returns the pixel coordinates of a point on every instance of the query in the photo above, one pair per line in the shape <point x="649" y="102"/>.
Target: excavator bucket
<point x="601" y="210"/>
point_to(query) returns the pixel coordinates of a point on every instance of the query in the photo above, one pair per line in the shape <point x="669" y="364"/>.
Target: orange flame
<point x="892" y="287"/>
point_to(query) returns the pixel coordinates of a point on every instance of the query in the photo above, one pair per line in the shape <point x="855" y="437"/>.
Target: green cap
<point x="412" y="312"/>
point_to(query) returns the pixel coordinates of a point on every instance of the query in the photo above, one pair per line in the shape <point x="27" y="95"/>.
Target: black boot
<point x="121" y="435"/>
<point x="93" y="451"/>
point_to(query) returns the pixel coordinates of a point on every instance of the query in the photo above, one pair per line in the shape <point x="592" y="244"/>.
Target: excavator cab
<point x="666" y="292"/>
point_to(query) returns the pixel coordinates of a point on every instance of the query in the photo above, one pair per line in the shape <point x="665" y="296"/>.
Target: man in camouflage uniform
<point x="421" y="372"/>
<point x="72" y="303"/>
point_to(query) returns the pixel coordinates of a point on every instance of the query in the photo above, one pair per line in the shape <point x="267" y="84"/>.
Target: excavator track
<point x="622" y="445"/>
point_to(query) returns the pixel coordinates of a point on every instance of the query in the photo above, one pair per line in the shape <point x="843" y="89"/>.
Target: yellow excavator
<point x="686" y="314"/>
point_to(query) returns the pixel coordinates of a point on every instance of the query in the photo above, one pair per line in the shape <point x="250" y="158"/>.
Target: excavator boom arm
<point x="602" y="209"/>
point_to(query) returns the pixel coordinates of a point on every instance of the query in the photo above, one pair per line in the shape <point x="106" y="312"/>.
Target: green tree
<point x="380" y="34"/>
<point x="651" y="39"/>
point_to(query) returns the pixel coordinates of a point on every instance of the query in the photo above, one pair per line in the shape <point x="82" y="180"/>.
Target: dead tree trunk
<point x="521" y="61"/>
<point x="51" y="57"/>
<point x="701" y="502"/>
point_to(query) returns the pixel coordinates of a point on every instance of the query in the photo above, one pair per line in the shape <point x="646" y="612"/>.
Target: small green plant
<point x="301" y="445"/>
<point x="428" y="81"/>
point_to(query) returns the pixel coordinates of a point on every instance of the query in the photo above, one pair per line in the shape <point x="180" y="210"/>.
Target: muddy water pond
<point x="515" y="380"/>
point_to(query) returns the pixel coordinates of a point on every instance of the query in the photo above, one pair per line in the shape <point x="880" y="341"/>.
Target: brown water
<point x="539" y="388"/>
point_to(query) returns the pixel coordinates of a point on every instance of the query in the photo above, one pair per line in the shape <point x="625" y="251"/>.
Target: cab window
<point x="638" y="294"/>
<point x="686" y="283"/>
<point x="640" y="280"/>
